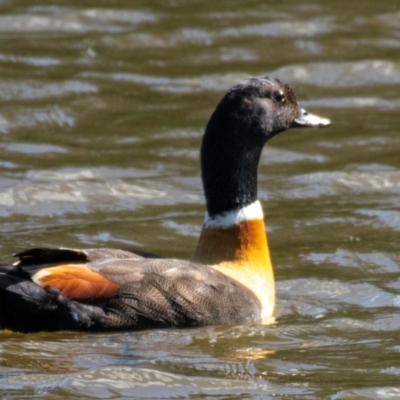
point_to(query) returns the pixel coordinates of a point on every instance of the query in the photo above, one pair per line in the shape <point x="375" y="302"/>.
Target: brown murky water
<point x="102" y="107"/>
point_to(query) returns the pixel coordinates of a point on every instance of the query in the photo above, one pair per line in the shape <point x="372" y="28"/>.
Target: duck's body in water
<point x="229" y="279"/>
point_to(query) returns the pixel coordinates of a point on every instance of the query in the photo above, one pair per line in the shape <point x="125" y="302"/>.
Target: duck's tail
<point x="27" y="307"/>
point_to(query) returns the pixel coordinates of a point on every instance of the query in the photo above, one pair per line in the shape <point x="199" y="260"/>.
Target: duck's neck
<point x="233" y="239"/>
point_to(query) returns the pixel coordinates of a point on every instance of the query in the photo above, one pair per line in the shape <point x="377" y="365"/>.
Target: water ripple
<point x="66" y="20"/>
<point x="342" y="74"/>
<point x="39" y="90"/>
<point x="319" y="184"/>
<point x="282" y="29"/>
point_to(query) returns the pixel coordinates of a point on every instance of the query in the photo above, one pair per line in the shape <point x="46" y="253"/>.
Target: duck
<point x="229" y="278"/>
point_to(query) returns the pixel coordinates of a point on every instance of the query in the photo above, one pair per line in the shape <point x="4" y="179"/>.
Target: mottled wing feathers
<point x="175" y="293"/>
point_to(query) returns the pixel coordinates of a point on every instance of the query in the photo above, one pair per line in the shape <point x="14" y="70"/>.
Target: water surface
<point x="102" y="108"/>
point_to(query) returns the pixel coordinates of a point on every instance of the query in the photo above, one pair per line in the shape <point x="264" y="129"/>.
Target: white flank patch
<point x="231" y="218"/>
<point x="39" y="275"/>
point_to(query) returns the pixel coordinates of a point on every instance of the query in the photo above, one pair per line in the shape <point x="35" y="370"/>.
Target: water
<point x="102" y="108"/>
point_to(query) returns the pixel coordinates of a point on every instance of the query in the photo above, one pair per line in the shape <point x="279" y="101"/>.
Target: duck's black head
<point x="251" y="113"/>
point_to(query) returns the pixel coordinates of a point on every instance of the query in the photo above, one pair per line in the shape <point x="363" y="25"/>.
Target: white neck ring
<point x="234" y="217"/>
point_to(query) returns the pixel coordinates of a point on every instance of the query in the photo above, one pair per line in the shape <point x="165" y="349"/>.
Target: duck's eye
<point x="279" y="97"/>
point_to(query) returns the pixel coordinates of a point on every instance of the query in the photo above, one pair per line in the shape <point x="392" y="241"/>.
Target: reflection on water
<point x="101" y="115"/>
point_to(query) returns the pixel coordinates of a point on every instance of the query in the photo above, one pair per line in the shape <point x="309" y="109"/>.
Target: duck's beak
<point x="306" y="119"/>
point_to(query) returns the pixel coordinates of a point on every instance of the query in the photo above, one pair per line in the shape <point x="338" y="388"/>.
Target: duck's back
<point x="151" y="293"/>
